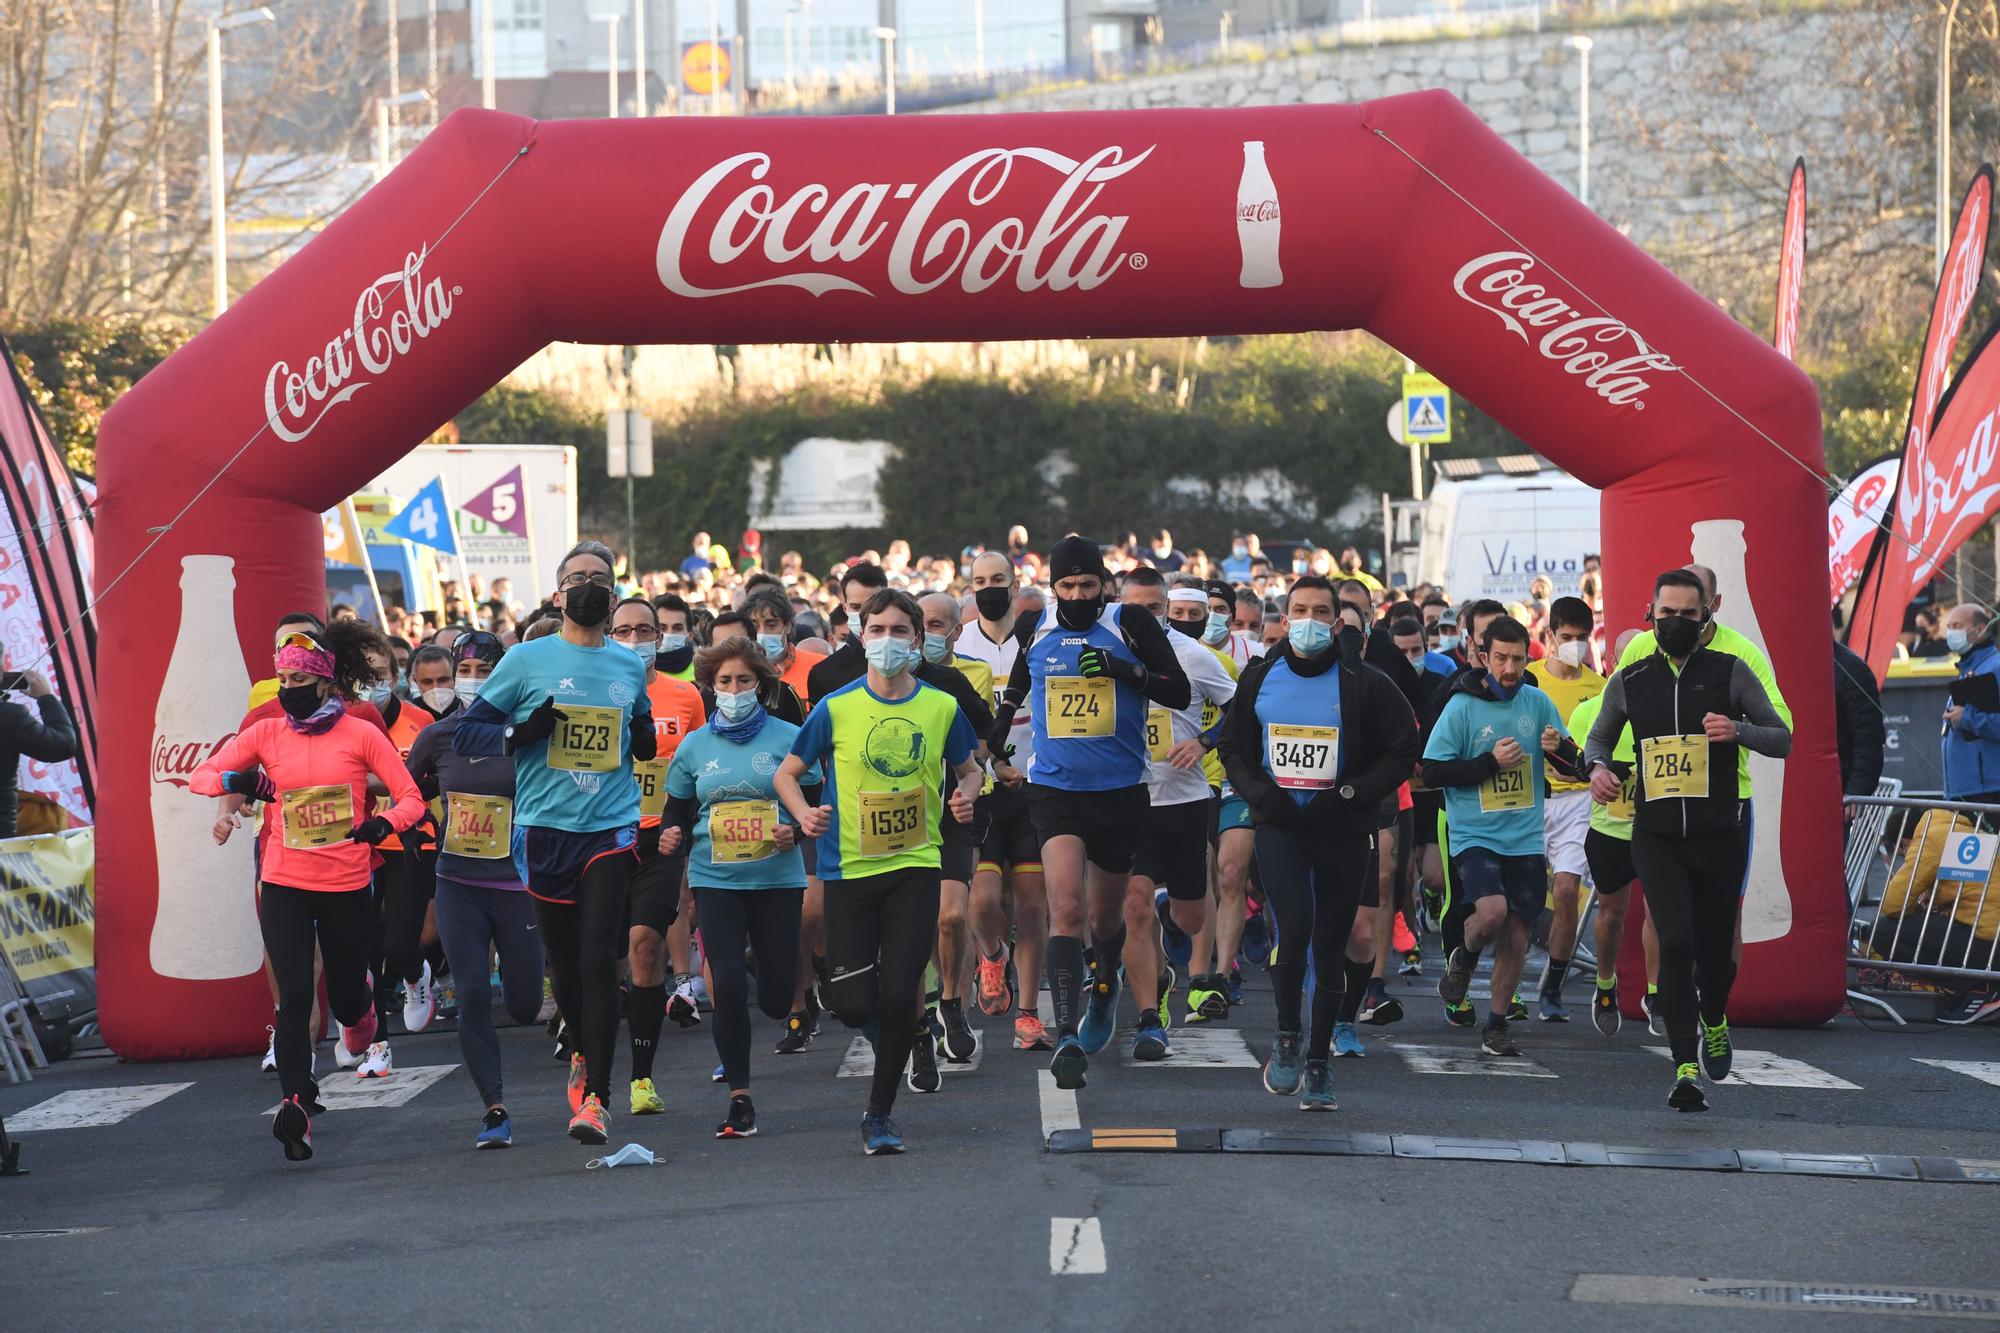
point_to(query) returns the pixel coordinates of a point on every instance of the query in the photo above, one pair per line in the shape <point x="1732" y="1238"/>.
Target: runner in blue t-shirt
<point x="574" y="713"/>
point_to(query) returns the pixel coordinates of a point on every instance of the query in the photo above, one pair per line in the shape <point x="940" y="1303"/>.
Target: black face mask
<point x="1678" y="635"/>
<point x="675" y="662"/>
<point x="993" y="603"/>
<point x="1191" y="628"/>
<point x="1079" y="613"/>
<point x="1351" y="643"/>
<point x="300" y="701"/>
<point x="588" y="606"/>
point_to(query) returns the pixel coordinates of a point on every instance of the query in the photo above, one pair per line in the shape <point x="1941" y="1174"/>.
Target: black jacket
<point x="49" y="739"/>
<point x="1858" y="728"/>
<point x="1378" y="735"/>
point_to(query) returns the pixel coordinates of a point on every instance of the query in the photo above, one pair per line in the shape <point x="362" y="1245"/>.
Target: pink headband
<point x="312" y="661"/>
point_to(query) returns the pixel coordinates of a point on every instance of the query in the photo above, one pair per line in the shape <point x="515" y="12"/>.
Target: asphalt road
<point x="190" y="1218"/>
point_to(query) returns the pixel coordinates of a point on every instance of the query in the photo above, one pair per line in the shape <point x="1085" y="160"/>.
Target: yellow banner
<point x="48" y="909"/>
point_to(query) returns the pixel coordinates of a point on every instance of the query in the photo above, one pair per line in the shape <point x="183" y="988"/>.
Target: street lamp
<point x="218" y="217"/>
<point x="1944" y="135"/>
<point x="887" y="36"/>
<point x="1581" y="45"/>
<point x="385" y="134"/>
<point x="611" y="22"/>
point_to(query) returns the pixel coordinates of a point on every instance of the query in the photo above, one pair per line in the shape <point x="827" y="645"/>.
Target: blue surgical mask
<point x="1448" y="643"/>
<point x="771" y="645"/>
<point x="735" y="705"/>
<point x="380" y="692"/>
<point x="1218" y="628"/>
<point x="891" y="657"/>
<point x="1504" y="693"/>
<point x="1957" y="640"/>
<point x="642" y="651"/>
<point x="1239" y="550"/>
<point x="673" y="643"/>
<point x="631" y="1154"/>
<point x="1309" y="637"/>
<point x="937" y="648"/>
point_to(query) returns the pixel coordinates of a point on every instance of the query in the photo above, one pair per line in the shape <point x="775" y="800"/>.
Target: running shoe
<point x="420" y="1001"/>
<point x="798" y="1035"/>
<point x="1316" y="1093"/>
<point x="1285" y="1070"/>
<point x="717" y="1074"/>
<point x="362" y="1035"/>
<point x="682" y="1007"/>
<point x="1460" y="1015"/>
<point x="741" y="1122"/>
<point x="923" y="1075"/>
<point x="1070" y="1064"/>
<point x="880" y="1137"/>
<point x="1100" y="1014"/>
<point x="1401" y="938"/>
<point x="1716" y="1054"/>
<point x="996" y="996"/>
<point x="495" y="1131"/>
<point x="269" y="1064"/>
<point x="1347" y="1042"/>
<point x="1687" y="1094"/>
<point x="1975" y="1007"/>
<point x="1150" y="1042"/>
<point x="565" y="1048"/>
<point x="293" y="1128"/>
<point x="578" y="1077"/>
<point x="1256" y="937"/>
<point x="1379" y="1008"/>
<point x="646" y="1098"/>
<point x="1209" y="997"/>
<point x="958" y="1044"/>
<point x="1656" y="1023"/>
<point x="1177" y="943"/>
<point x="1517" y="1012"/>
<point x="342" y="1057"/>
<point x="1604" y="1013"/>
<point x="375" y="1062"/>
<point x="1457" y="978"/>
<point x="1030" y="1035"/>
<point x="591" y="1123"/>
<point x="1235" y="985"/>
<point x="1497" y="1040"/>
<point x="1553" y="1009"/>
<point x="1413" y="964"/>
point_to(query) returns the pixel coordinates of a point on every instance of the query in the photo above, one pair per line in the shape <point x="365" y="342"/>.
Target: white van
<point x="1490" y="535"/>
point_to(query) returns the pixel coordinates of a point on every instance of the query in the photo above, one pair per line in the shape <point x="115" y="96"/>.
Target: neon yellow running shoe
<point x="646" y="1099"/>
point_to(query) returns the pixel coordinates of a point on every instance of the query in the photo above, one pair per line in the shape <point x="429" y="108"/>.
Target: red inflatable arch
<point x="1406" y="217"/>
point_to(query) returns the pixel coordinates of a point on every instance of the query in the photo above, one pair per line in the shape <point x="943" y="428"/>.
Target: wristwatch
<point x="1346" y="791"/>
<point x="507" y="735"/>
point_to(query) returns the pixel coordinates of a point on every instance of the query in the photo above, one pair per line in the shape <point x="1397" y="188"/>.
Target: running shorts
<point x="1522" y="880"/>
<point x="655" y="895"/>
<point x="1010" y="839"/>
<point x="1111" y="823"/>
<point x="1610" y="862"/>
<point x="551" y="861"/>
<point x="1565" y="819"/>
<point x="1174" y="851"/>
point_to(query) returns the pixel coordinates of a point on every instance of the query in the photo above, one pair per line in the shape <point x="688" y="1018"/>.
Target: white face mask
<point x="1571" y="653"/>
<point x="466" y="688"/>
<point x="440" y="697"/>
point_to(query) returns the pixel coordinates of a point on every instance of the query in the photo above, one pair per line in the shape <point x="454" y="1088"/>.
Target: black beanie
<point x="1075" y="555"/>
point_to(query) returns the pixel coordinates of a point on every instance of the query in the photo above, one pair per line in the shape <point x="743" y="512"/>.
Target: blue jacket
<point x="1972" y="748"/>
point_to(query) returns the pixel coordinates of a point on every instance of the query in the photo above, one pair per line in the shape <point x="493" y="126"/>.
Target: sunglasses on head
<point x="300" y="639"/>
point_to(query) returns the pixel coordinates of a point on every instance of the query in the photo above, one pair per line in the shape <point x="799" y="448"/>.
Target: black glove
<point x="999" y="742"/>
<point x="415" y="840"/>
<point x="1094" y="662"/>
<point x="250" y="782"/>
<point x="645" y="741"/>
<point x="539" y="725"/>
<point x="370" y="830"/>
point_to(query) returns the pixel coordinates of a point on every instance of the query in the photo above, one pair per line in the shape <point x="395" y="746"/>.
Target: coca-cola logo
<point x="1069" y="243"/>
<point x="391" y="315"/>
<point x="174" y="762"/>
<point x="1921" y="494"/>
<point x="1954" y="499"/>
<point x="1262" y="210"/>
<point x="1607" y="353"/>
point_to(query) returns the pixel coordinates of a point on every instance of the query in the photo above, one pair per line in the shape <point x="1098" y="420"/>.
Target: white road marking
<point x="87" y="1108"/>
<point x="1986" y="1071"/>
<point x="344" y="1092"/>
<point x="1076" y="1246"/>
<point x="1467" y="1059"/>
<point x="859" y="1062"/>
<point x="1058" y="1106"/>
<point x="1763" y="1069"/>
<point x="1199" y="1047"/>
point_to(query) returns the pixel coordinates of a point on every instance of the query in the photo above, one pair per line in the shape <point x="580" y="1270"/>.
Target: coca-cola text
<point x="174" y="762"/>
<point x="1586" y="345"/>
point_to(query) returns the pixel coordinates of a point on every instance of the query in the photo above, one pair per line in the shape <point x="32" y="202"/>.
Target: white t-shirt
<point x="973" y="643"/>
<point x="1208" y="682"/>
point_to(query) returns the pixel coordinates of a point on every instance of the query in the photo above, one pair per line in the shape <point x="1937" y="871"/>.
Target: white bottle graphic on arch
<point x="205" y="925"/>
<point x="1767" y="911"/>
<point x="1257" y="220"/>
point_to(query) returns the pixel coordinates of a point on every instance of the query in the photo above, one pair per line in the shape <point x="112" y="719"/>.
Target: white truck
<point x="549" y="495"/>
<point x="1491" y="533"/>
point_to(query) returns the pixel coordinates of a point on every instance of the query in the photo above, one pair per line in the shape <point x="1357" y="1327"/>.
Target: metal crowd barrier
<point x="1921" y="895"/>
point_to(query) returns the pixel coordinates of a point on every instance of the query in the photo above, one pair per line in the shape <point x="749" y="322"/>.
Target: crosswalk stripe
<point x="1986" y="1071"/>
<point x="1425" y="1059"/>
<point x="859" y="1062"/>
<point x="87" y="1108"/>
<point x="1200" y="1047"/>
<point x="1764" y="1069"/>
<point x="344" y="1092"/>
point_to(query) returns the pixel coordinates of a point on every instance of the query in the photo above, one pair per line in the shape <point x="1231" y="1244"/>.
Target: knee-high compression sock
<point x="1358" y="976"/>
<point x="1065" y="968"/>
<point x="646" y="1014"/>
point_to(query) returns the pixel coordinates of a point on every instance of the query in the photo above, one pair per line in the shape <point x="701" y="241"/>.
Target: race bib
<point x="892" y="822"/>
<point x="1507" y="790"/>
<point x="1159" y="734"/>
<point x="1626" y="807"/>
<point x="740" y="831"/>
<point x="481" y="827"/>
<point x="1674" y="766"/>
<point x="652" y="777"/>
<point x="1302" y="758"/>
<point x="1081" y="706"/>
<point x="586" y="740"/>
<point x="317" y="816"/>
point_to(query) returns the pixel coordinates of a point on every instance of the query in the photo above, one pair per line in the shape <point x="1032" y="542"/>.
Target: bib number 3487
<point x="1302" y="758"/>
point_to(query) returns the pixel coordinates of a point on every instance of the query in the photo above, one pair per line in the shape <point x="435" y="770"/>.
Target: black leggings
<point x="473" y="918"/>
<point x="767" y="920"/>
<point x="879" y="934"/>
<point x="1693" y="891"/>
<point x="406" y="888"/>
<point x="582" y="940"/>
<point x="293" y="920"/>
<point x="1313" y="879"/>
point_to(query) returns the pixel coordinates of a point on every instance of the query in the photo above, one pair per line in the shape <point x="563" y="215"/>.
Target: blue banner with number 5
<point x="426" y="520"/>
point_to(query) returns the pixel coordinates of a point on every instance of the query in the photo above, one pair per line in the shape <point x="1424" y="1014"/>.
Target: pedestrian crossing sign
<point x="1426" y="410"/>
